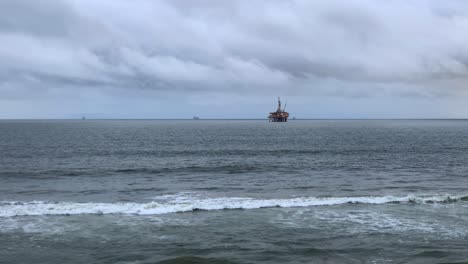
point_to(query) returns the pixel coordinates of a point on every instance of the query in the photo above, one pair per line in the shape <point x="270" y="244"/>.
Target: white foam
<point x="183" y="204"/>
<point x="361" y="221"/>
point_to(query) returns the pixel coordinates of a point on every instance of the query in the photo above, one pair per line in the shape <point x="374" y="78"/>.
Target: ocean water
<point x="200" y="191"/>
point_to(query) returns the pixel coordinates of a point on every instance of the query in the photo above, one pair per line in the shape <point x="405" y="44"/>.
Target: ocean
<point x="233" y="191"/>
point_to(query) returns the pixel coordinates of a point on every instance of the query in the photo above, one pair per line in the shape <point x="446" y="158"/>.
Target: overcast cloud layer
<point x="173" y="59"/>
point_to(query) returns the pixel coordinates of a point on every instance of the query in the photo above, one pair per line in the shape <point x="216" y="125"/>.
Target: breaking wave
<point x="182" y="203"/>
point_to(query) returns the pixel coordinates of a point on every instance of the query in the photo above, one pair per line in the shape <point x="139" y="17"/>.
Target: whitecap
<point x="185" y="203"/>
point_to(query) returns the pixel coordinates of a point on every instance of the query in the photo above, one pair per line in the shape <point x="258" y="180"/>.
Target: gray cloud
<point x="41" y="18"/>
<point x="335" y="48"/>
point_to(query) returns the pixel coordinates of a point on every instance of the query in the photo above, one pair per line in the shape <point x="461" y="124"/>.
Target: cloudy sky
<point x="231" y="59"/>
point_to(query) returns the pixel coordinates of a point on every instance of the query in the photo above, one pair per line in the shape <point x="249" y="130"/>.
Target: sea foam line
<point x="185" y="204"/>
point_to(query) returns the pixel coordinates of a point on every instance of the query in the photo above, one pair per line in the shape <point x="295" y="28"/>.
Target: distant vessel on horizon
<point x="195" y="117"/>
<point x="83" y="118"/>
<point x="280" y="115"/>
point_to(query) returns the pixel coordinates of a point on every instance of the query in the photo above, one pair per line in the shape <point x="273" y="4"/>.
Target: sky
<point x="231" y="59"/>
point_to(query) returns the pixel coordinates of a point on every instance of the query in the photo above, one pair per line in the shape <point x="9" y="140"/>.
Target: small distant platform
<point x="280" y="115"/>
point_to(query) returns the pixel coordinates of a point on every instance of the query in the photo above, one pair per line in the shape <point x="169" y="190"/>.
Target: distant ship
<point x="83" y="118"/>
<point x="280" y="115"/>
<point x="196" y="117"/>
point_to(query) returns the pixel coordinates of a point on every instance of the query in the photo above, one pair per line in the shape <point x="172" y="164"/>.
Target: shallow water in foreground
<point x="374" y="191"/>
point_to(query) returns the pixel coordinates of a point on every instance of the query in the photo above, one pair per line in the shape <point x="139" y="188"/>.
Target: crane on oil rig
<point x="280" y="115"/>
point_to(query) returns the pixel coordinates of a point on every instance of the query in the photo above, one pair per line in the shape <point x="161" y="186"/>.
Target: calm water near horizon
<point x="233" y="191"/>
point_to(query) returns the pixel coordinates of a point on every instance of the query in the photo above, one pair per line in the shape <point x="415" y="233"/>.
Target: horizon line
<point x="214" y="119"/>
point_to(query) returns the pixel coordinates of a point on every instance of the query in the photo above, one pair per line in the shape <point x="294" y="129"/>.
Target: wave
<point x="196" y="260"/>
<point x="183" y="203"/>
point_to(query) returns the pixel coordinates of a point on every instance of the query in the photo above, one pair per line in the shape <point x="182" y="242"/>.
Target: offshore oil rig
<point x="280" y="115"/>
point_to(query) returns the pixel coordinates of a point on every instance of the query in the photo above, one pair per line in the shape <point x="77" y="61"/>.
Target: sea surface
<point x="233" y="191"/>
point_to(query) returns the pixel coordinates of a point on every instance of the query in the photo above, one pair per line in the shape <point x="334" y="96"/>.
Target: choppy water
<point x="375" y="191"/>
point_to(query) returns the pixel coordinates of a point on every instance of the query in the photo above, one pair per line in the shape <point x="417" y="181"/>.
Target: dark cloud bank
<point x="88" y="54"/>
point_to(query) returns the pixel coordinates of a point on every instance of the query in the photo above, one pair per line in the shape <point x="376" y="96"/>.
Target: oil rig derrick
<point x="280" y="115"/>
